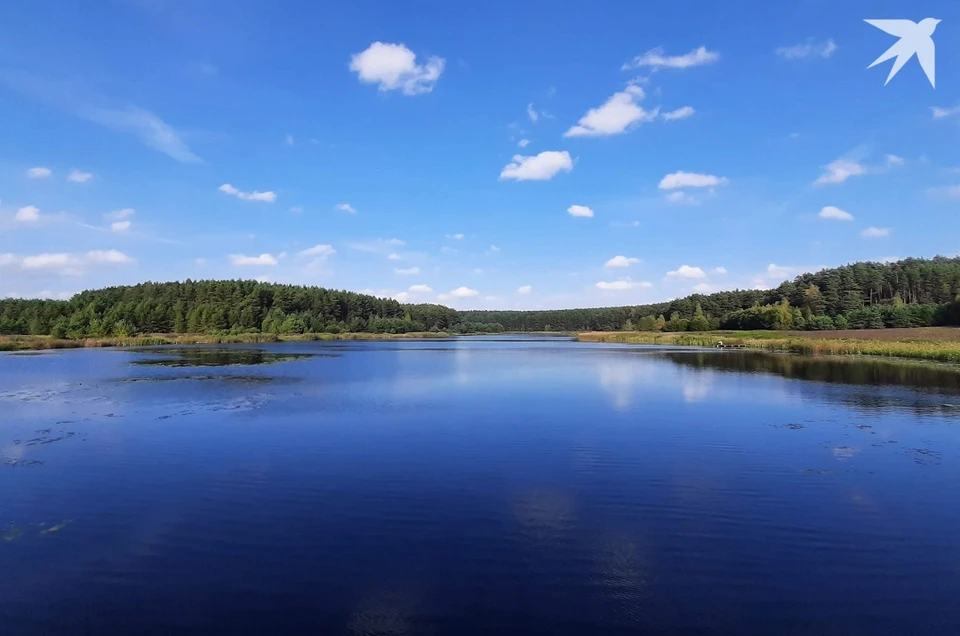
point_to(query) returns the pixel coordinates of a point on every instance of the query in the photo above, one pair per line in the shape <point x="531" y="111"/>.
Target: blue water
<point x="476" y="486"/>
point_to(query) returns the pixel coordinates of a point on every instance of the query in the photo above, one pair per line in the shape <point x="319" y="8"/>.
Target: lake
<point x="482" y="485"/>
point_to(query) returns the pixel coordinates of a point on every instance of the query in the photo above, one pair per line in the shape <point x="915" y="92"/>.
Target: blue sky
<point x="455" y="153"/>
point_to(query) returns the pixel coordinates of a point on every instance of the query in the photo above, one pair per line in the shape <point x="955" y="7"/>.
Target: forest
<point x="907" y="293"/>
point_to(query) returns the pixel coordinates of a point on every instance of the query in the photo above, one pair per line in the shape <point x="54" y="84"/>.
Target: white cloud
<point x="622" y="285"/>
<point x="256" y="195"/>
<point x="77" y="176"/>
<point x="464" y="292"/>
<point x="394" y="67"/>
<point x="401" y="296"/>
<point x="321" y="251"/>
<point x="120" y="226"/>
<point x="28" y="214"/>
<point x="945" y="192"/>
<point x="681" y="113"/>
<point x="383" y="246"/>
<point x="120" y="215"/>
<point x="494" y="248"/>
<point x="840" y="170"/>
<point x="150" y="129"/>
<point x="621" y="261"/>
<point x="39" y="172"/>
<point x="615" y="116"/>
<point x="446" y="249"/>
<point x="108" y="256"/>
<point x="490" y="298"/>
<point x="420" y="289"/>
<point x="455" y="237"/>
<point x="345" y="207"/>
<point x="779" y="271"/>
<point x="831" y="212"/>
<point x="680" y="197"/>
<point x="581" y="211"/>
<point x="524" y="289"/>
<point x="523" y="143"/>
<point x="200" y="261"/>
<point x="720" y="270"/>
<point x="687" y="272"/>
<point x="894" y="160"/>
<point x="655" y="59"/>
<point x="539" y="167"/>
<point x="46" y="261"/>
<point x="703" y="288"/>
<point x="683" y="179"/>
<point x="810" y="48"/>
<point x="297" y="209"/>
<point x="942" y="113"/>
<point x="532" y="114"/>
<point x="394" y="257"/>
<point x="409" y="271"/>
<point x="63" y="263"/>
<point x="875" y="232"/>
<point x="240" y="260"/>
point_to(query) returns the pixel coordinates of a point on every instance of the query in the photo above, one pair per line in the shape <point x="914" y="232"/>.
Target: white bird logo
<point x="914" y="38"/>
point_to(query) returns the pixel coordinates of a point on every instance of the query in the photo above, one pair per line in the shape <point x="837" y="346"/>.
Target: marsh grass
<point x="942" y="350"/>
<point x="34" y="343"/>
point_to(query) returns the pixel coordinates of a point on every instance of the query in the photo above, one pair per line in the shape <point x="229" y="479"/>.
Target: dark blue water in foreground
<point x="477" y="486"/>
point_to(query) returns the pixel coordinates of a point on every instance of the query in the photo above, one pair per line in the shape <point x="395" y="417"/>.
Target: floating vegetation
<point x="218" y="357"/>
<point x="239" y="379"/>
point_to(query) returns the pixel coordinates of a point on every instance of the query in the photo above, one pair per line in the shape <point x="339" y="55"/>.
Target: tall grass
<point x="28" y="343"/>
<point x="940" y="351"/>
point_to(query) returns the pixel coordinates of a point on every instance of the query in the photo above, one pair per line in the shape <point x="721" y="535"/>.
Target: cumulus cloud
<point x="655" y="59"/>
<point x="683" y="179"/>
<point x="121" y="214"/>
<point x="615" y="116"/>
<point x="621" y="261"/>
<point x="875" y="232"/>
<point x="687" y="272"/>
<point x="65" y="264"/>
<point x="524" y="289"/>
<point x="256" y="195"/>
<point x="120" y="226"/>
<point x="581" y="211"/>
<point x="464" y="292"/>
<point x="108" y="256"/>
<point x="810" y="48"/>
<point x="419" y="289"/>
<point x="494" y="248"/>
<point x="321" y="251"/>
<point x="345" y="207"/>
<point x="77" y="176"/>
<point x="523" y="143"/>
<point x="455" y="237"/>
<point x="240" y="260"/>
<point x="540" y="167"/>
<point x="394" y="257"/>
<point x="394" y="67"/>
<point x="409" y="271"/>
<point x="720" y="270"/>
<point x="622" y="285"/>
<point x="27" y="214"/>
<point x="839" y="171"/>
<point x="831" y="212"/>
<point x="681" y="113"/>
<point x="39" y="172"/>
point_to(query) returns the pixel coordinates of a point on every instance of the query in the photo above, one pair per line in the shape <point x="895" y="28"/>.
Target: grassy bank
<point x="35" y="343"/>
<point x="939" y="344"/>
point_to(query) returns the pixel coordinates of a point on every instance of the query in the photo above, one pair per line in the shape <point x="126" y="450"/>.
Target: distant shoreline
<point x="939" y="344"/>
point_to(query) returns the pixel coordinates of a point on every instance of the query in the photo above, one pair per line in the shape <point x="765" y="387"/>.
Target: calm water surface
<point x="476" y="486"/>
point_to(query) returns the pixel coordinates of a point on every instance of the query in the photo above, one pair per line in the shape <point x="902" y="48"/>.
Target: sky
<point x="485" y="155"/>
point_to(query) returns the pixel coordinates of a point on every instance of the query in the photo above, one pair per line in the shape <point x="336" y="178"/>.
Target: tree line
<point x="908" y="293"/>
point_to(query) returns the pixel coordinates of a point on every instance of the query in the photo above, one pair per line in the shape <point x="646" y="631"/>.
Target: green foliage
<point x="647" y="323"/>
